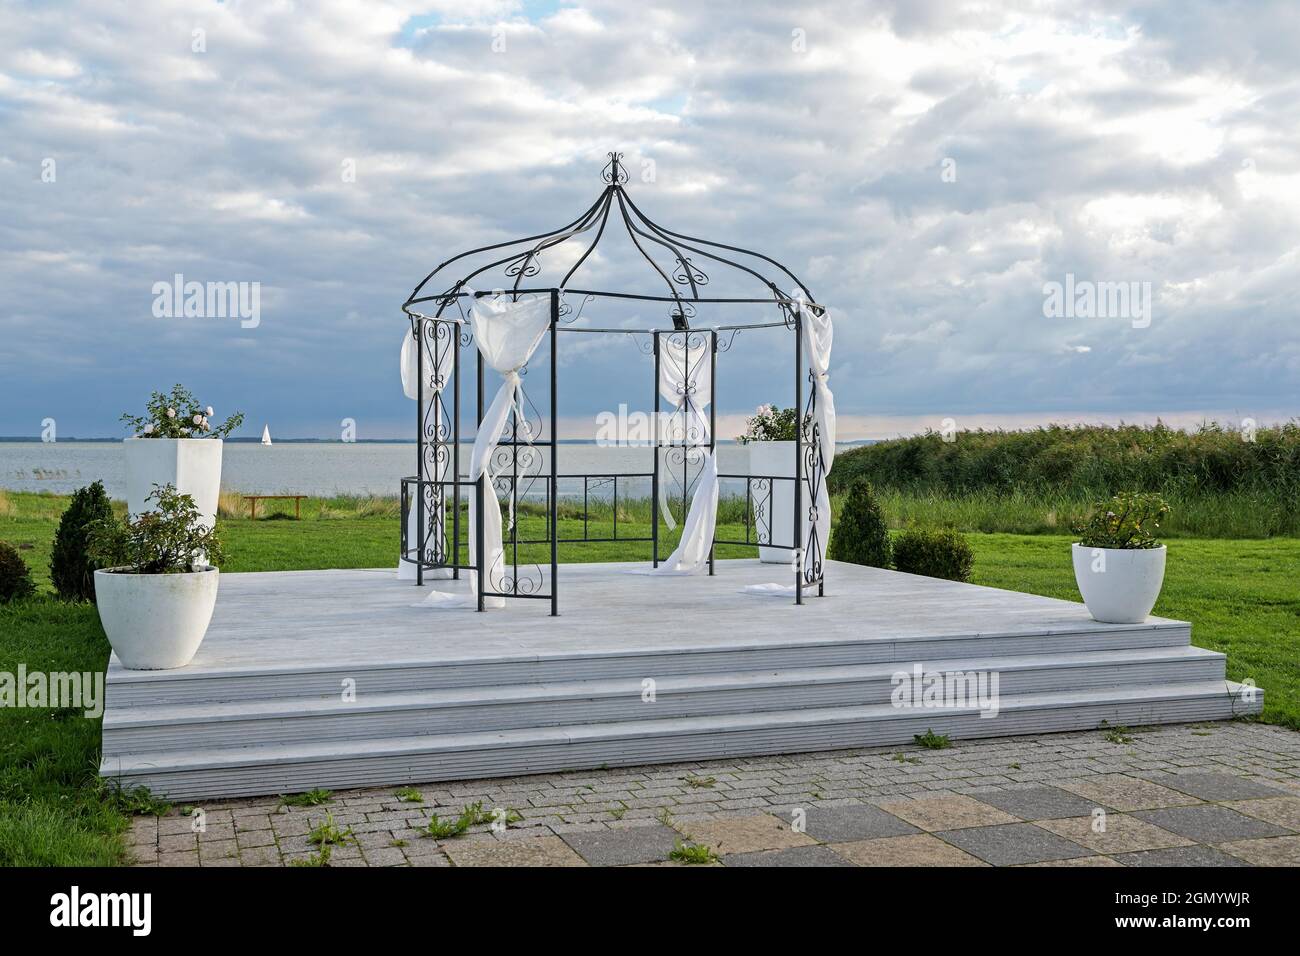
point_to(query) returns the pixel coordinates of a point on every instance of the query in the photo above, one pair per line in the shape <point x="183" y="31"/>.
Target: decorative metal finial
<point x="614" y="173"/>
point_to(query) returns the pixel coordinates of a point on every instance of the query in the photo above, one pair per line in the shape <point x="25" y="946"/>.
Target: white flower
<point x="185" y="431"/>
<point x="171" y="413"/>
<point x="205" y="424"/>
<point x="197" y="419"/>
<point x="208" y="411"/>
<point x="148" y="429"/>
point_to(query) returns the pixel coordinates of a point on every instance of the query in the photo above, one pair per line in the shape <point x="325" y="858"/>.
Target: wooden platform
<point x="447" y="694"/>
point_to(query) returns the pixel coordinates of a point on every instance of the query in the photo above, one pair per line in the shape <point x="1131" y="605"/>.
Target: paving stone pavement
<point x="1220" y="794"/>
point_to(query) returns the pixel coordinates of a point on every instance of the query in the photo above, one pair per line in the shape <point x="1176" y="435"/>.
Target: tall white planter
<point x="775" y="458"/>
<point x="193" y="465"/>
<point x="1119" y="585"/>
<point x="155" y="621"/>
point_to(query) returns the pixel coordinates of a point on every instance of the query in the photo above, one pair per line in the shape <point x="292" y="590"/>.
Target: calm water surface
<point x="309" y="468"/>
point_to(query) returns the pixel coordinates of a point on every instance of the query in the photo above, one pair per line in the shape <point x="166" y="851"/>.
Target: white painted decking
<point x="454" y="693"/>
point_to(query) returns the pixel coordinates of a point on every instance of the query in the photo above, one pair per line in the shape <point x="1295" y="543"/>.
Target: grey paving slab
<point x="1219" y="786"/>
<point x="623" y="846"/>
<point x="1013" y="843"/>
<point x="861" y="821"/>
<point x="1039" y="803"/>
<point x="1180" y="856"/>
<point x="1210" y="824"/>
<point x="797" y="856"/>
<point x="1262" y="750"/>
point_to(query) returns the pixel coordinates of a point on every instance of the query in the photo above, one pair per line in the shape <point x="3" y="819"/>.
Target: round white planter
<point x="155" y="621"/>
<point x="1119" y="585"/>
<point x="193" y="465"/>
<point x="774" y="458"/>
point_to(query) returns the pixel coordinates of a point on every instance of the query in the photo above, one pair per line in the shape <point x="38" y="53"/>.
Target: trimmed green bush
<point x="861" y="535"/>
<point x="15" y="578"/>
<point x="72" y="571"/>
<point x="935" y="554"/>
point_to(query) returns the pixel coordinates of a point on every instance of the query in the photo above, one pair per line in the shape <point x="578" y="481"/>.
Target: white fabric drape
<point x="686" y="381"/>
<point x="817" y="335"/>
<point x="683" y="372"/>
<point x="507" y="333"/>
<point x="434" y="381"/>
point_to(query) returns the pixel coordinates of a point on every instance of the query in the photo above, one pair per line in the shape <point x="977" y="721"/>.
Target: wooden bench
<point x="254" y="499"/>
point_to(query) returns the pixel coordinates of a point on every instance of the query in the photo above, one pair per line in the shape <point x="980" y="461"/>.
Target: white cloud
<point x="1130" y="142"/>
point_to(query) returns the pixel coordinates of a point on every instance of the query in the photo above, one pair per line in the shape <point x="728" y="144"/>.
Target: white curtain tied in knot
<point x="438" y="368"/>
<point x="686" y="381"/>
<point x="817" y="333"/>
<point x="507" y="333"/>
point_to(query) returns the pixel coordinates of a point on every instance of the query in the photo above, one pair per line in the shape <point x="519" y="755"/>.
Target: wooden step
<point x="384" y="761"/>
<point x="244" y="723"/>
<point x="234" y="683"/>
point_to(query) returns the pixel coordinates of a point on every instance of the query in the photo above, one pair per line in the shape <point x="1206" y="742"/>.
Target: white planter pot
<point x="1119" y="585"/>
<point x="155" y="621"/>
<point x="777" y="525"/>
<point x="193" y="465"/>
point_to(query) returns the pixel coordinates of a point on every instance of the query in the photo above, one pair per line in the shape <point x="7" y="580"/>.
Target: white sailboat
<point x="266" y="434"/>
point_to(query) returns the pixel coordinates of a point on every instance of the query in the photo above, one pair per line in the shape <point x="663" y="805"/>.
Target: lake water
<point x="307" y="468"/>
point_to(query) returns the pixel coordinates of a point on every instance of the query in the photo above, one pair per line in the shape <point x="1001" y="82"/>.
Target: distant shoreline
<point x="334" y="441"/>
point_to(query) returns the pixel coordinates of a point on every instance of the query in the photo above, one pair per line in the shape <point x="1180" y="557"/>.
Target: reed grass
<point x="1219" y="483"/>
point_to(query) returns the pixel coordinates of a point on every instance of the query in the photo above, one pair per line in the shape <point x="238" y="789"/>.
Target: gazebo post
<point x="654" y="479"/>
<point x="555" y="450"/>
<point x="455" y="459"/>
<point x="713" y="418"/>
<point x="418" y="330"/>
<point x="479" y="496"/>
<point x="798" y="458"/>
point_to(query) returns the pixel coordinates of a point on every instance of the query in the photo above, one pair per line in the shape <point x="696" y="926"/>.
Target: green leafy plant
<point x="72" y="570"/>
<point x="692" y="853"/>
<point x="932" y="741"/>
<point x="769" y="423"/>
<point x="170" y="539"/>
<point x="1129" y="521"/>
<point x="15" y="578"/>
<point x="137" y="801"/>
<point x="328" y="833"/>
<point x="944" y="553"/>
<point x="471" y="815"/>
<point x="701" y="782"/>
<point x="409" y="795"/>
<point x="309" y="798"/>
<point x="1117" y="735"/>
<point x="321" y="859"/>
<point x="179" y="415"/>
<point x="861" y="535"/>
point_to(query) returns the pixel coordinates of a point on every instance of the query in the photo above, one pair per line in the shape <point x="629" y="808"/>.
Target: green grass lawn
<point x="1240" y="595"/>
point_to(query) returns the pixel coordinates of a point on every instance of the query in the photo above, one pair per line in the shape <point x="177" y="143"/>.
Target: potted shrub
<point x="1118" y="563"/>
<point x="770" y="438"/>
<point x="159" y="585"/>
<point x="175" y="443"/>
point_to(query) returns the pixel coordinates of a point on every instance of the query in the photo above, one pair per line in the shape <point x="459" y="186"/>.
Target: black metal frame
<point x="438" y="477"/>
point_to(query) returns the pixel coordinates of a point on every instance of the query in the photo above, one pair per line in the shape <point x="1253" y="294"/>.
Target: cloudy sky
<point x="926" y="167"/>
